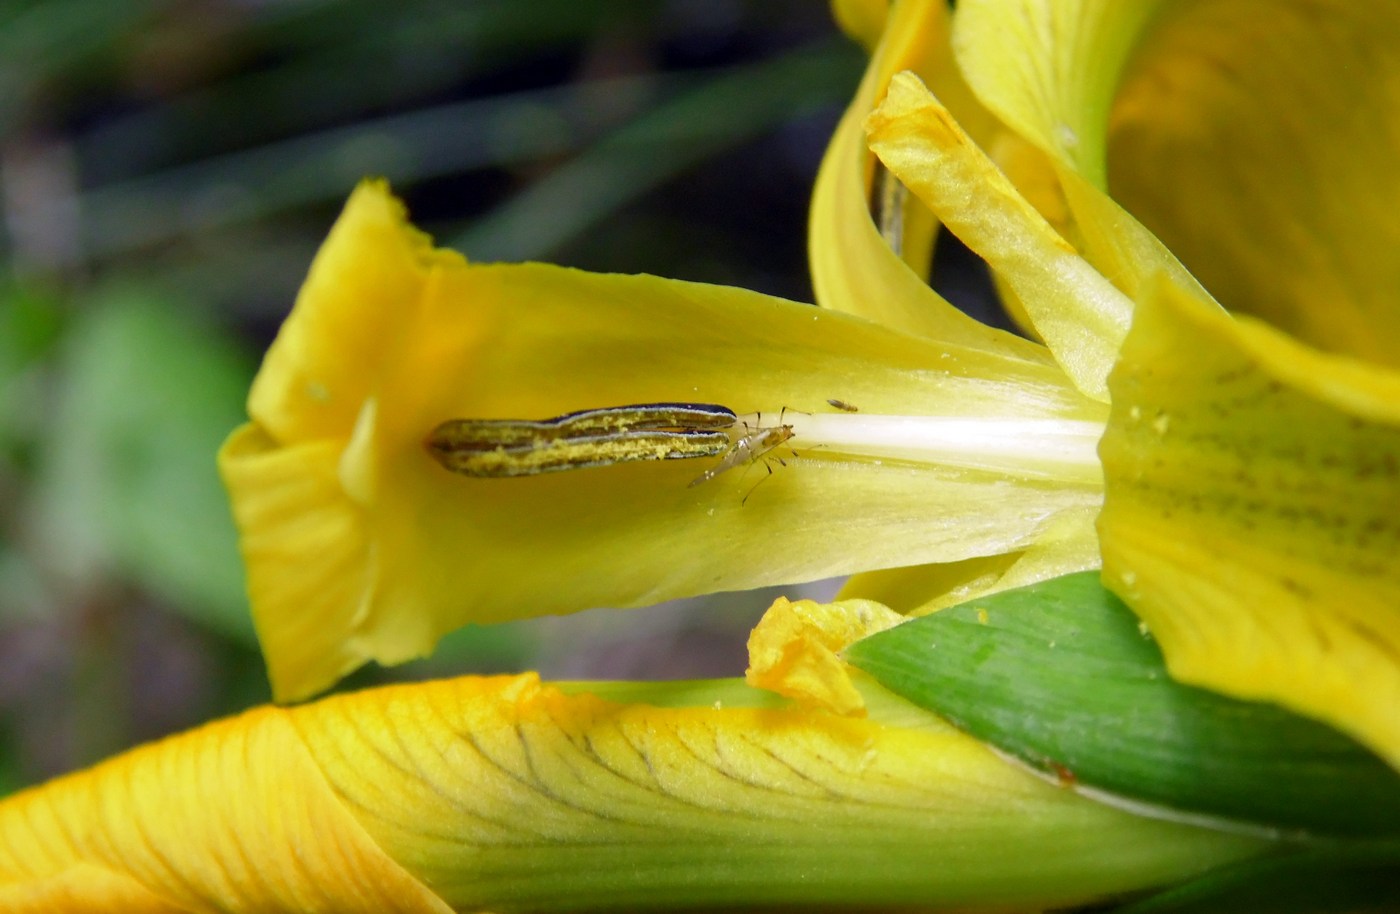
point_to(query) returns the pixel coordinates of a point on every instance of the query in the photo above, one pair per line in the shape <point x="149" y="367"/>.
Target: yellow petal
<point x="853" y="267"/>
<point x="231" y="817"/>
<point x="508" y="794"/>
<point x="1258" y="140"/>
<point x="1049" y="68"/>
<point x="1067" y="544"/>
<point x="1250" y="515"/>
<point x="863" y="20"/>
<point x="359" y="545"/>
<point x="1079" y="314"/>
<point x="793" y="650"/>
<point x="1049" y="71"/>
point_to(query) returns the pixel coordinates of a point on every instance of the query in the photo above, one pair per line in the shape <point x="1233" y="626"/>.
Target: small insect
<point x="1063" y="776"/>
<point x="843" y="406"/>
<point x="502" y="448"/>
<point x="748" y="448"/>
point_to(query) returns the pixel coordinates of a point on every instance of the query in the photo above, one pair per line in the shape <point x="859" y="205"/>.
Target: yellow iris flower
<point x="1242" y="500"/>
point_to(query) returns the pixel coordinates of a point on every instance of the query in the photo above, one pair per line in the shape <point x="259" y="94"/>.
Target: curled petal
<point x="1049" y="68"/>
<point x="1250" y="514"/>
<point x="853" y="266"/>
<point x="360" y="545"/>
<point x="1081" y="316"/>
<point x="863" y="20"/>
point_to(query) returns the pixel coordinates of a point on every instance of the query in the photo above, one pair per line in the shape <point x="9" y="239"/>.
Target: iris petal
<point x="1258" y="140"/>
<point x="360" y="546"/>
<point x="1249" y="517"/>
<point x="1075" y="309"/>
<point x="853" y="267"/>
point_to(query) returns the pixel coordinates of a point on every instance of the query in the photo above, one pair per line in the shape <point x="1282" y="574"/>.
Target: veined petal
<point x="508" y="794"/>
<point x="360" y="545"/>
<point x="853" y="266"/>
<point x="231" y="817"/>
<point x="1250" y="516"/>
<point x="1283" y="120"/>
<point x="1078" y="312"/>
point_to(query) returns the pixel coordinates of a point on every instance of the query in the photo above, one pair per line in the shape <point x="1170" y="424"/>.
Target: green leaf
<point x="1062" y="676"/>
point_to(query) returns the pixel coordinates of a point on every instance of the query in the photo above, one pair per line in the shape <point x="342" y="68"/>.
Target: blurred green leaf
<point x="129" y="483"/>
<point x="1061" y="676"/>
<point x="30" y="324"/>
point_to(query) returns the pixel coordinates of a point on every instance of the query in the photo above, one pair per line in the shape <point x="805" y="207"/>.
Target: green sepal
<point x="1062" y="676"/>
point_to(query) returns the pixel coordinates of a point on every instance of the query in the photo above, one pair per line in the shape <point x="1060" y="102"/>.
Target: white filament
<point x="1059" y="448"/>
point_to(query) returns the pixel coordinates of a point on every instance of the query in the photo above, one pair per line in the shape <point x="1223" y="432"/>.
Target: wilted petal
<point x="794" y="650"/>
<point x="1250" y="517"/>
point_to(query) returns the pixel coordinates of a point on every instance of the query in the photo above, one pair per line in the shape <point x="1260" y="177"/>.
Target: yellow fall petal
<point x="1250" y="514"/>
<point x="1074" y="308"/>
<point x="1258" y="140"/>
<point x="508" y="794"/>
<point x="231" y="817"/>
<point x="359" y="545"/>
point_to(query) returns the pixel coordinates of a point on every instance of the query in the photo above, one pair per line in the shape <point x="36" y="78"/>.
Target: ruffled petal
<point x="1283" y="121"/>
<point x="1079" y="314"/>
<point x="508" y="794"/>
<point x="794" y="650"/>
<point x="359" y="545"/>
<point x="853" y="267"/>
<point x="1250" y="515"/>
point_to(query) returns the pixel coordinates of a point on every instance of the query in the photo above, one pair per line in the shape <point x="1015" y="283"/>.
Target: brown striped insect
<point x="502" y="448"/>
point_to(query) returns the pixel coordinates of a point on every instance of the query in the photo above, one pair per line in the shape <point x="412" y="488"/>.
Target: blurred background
<point x="168" y="169"/>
